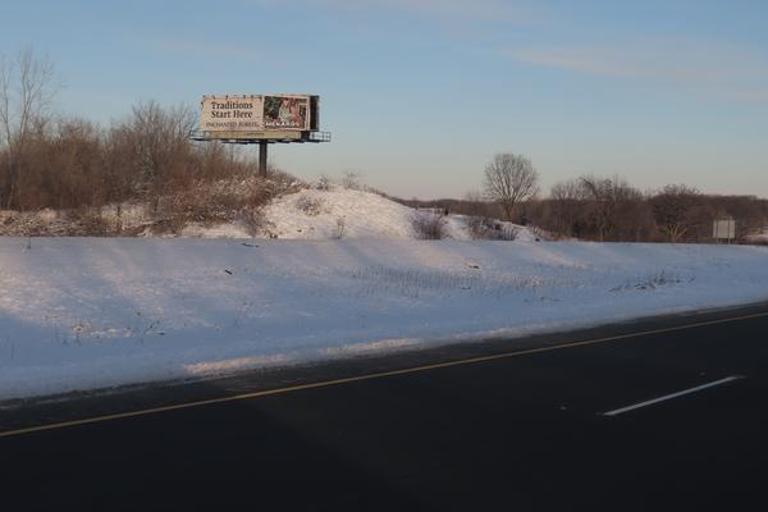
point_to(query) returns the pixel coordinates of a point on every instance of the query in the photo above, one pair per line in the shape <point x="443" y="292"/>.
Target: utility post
<point x="263" y="158"/>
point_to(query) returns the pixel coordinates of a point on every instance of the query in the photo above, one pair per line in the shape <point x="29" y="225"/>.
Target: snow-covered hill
<point x="324" y="214"/>
<point x="340" y="213"/>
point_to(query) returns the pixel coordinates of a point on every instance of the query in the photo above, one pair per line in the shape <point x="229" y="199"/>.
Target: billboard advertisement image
<point x="286" y="113"/>
<point x="240" y="114"/>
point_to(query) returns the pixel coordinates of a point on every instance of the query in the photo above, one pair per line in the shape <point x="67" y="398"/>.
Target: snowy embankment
<point x="87" y="313"/>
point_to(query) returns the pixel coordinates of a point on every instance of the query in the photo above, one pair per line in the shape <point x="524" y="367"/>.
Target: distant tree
<point x="27" y="88"/>
<point x="673" y="208"/>
<point x="567" y="207"/>
<point x="475" y="204"/>
<point x="509" y="180"/>
<point x="612" y="204"/>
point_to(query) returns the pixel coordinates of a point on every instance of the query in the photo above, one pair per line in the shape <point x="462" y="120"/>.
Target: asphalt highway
<point x="664" y="414"/>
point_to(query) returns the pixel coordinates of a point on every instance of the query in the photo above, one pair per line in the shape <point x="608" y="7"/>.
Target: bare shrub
<point x="541" y="234"/>
<point x="201" y="203"/>
<point x="428" y="225"/>
<point x="351" y="181"/>
<point x="22" y="224"/>
<point x="484" y="228"/>
<point x="77" y="222"/>
<point x="279" y="183"/>
<point x="167" y="226"/>
<point x="340" y="226"/>
<point x="87" y="222"/>
<point x="478" y="227"/>
<point x="219" y="202"/>
<point x="255" y="222"/>
<point x="311" y="206"/>
<point x="508" y="233"/>
<point x="323" y="183"/>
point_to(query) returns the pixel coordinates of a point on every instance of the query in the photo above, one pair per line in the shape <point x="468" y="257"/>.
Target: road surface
<point x="662" y="414"/>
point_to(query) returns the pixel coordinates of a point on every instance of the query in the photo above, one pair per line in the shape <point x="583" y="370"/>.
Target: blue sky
<point x="420" y="94"/>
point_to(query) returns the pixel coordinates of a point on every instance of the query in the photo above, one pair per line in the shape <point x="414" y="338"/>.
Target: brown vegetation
<point x="610" y="209"/>
<point x="78" y="169"/>
<point x="428" y="225"/>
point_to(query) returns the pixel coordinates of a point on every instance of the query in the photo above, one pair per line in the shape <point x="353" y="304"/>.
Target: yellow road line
<point x="371" y="376"/>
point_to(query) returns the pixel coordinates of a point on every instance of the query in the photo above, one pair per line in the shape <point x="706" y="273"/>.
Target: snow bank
<point x="339" y="213"/>
<point x="325" y="214"/>
<point x="86" y="313"/>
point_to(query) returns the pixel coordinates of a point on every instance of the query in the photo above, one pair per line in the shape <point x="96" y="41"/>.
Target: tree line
<point x="602" y="208"/>
<point x="610" y="209"/>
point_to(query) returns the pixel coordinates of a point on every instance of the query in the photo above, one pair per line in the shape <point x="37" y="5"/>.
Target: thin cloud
<point x="605" y="62"/>
<point x="196" y="47"/>
<point x="729" y="70"/>
<point x="751" y="96"/>
<point x="476" y="10"/>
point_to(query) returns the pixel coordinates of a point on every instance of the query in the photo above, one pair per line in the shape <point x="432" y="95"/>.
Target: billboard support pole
<point x="263" y="145"/>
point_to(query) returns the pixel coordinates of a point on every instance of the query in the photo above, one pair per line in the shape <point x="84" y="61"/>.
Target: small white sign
<point x="724" y="229"/>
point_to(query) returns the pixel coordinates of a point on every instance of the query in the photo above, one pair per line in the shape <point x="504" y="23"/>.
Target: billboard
<point x="258" y="113"/>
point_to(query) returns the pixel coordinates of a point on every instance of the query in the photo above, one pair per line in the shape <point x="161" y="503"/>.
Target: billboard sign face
<point x="240" y="114"/>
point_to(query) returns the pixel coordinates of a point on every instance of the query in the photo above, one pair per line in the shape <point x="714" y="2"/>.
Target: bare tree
<point x="673" y="209"/>
<point x="160" y="146"/>
<point x="612" y="204"/>
<point x="27" y="89"/>
<point x="509" y="180"/>
<point x="567" y="207"/>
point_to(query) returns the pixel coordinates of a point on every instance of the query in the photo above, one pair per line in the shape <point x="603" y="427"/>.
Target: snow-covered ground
<point x="760" y="237"/>
<point x="339" y="213"/>
<point x="325" y="214"/>
<point x="79" y="313"/>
